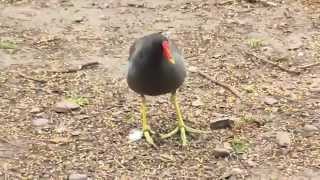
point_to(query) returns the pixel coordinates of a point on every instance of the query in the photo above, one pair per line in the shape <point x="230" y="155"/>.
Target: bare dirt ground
<point x="232" y="41"/>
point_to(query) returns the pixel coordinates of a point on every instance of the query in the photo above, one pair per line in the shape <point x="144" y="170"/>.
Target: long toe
<point x="183" y="133"/>
<point x="183" y="136"/>
<point x="171" y="133"/>
<point x="149" y="139"/>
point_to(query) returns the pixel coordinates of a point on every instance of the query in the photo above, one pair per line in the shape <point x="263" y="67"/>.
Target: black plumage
<point x="149" y="72"/>
<point x="156" y="67"/>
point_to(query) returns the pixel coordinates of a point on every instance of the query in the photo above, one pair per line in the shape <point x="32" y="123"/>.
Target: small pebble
<point x="78" y="19"/>
<point x="65" y="106"/>
<point x="221" y="152"/>
<point x="294" y="42"/>
<point x="315" y="90"/>
<point x="221" y="92"/>
<point x="135" y="135"/>
<point x="198" y="112"/>
<point x="222" y="123"/>
<point x="192" y="69"/>
<point x="75" y="133"/>
<point x="40" y="115"/>
<point x="106" y="5"/>
<point x="251" y="163"/>
<point x="283" y="139"/>
<point x="300" y="54"/>
<point x="232" y="174"/>
<point x="217" y="56"/>
<point x="236" y="171"/>
<point x="309" y="130"/>
<point x="270" y="101"/>
<point x="78" y="177"/>
<point x="40" y="122"/>
<point x="197" y="103"/>
<point x="103" y="17"/>
<point x="35" y="110"/>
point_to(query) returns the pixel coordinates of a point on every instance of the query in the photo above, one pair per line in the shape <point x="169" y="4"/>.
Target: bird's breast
<point x="155" y="80"/>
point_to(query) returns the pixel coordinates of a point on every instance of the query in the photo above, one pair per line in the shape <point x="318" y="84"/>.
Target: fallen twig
<point x="139" y="6"/>
<point x="223" y="85"/>
<point x="309" y="66"/>
<point x="86" y="65"/>
<point x="272" y="63"/>
<point x="31" y="78"/>
<point x="263" y="2"/>
<point x="7" y="142"/>
<point x="119" y="163"/>
<point x="268" y="3"/>
<point x="226" y="2"/>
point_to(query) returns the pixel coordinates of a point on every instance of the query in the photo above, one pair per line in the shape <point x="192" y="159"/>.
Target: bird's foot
<point x="183" y="129"/>
<point x="147" y="135"/>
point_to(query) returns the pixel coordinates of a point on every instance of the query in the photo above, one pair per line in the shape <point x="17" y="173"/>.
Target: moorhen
<point x="156" y="67"/>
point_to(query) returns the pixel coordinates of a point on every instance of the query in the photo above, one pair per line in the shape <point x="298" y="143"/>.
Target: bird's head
<point x="166" y="50"/>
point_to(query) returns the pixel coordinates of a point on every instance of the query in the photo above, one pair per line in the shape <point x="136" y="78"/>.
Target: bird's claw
<point x="147" y="136"/>
<point x="183" y="130"/>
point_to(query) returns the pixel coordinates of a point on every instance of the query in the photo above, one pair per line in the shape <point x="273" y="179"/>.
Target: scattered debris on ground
<point x="254" y="81"/>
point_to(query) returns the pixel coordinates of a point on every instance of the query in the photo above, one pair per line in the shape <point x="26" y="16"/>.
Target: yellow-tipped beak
<point x="171" y="60"/>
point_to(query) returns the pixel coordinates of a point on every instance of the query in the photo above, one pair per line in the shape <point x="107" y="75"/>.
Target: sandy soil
<point x="231" y="41"/>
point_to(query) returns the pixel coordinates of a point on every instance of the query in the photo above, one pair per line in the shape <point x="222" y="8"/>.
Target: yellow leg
<point x="146" y="129"/>
<point x="181" y="126"/>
